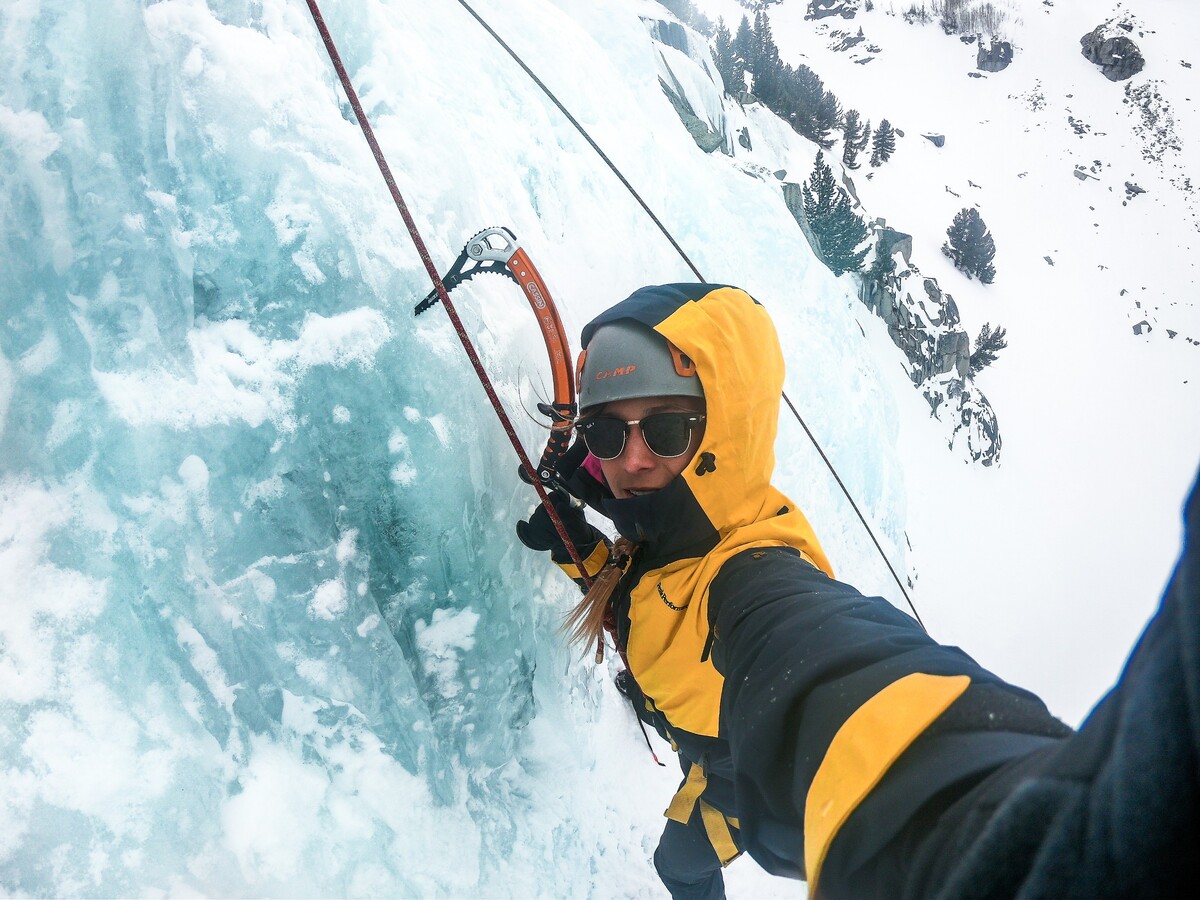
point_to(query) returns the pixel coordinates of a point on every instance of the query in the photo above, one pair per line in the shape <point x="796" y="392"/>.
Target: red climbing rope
<point x="386" y="171"/>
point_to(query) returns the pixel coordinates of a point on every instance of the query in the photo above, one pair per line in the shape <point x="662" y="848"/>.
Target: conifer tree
<point x="745" y="46"/>
<point x="970" y="245"/>
<point x="866" y="136"/>
<point x="828" y="119"/>
<point x="987" y="346"/>
<point x="794" y="94"/>
<point x="852" y="133"/>
<point x="883" y="265"/>
<point x="883" y="143"/>
<point x="731" y="68"/>
<point x="768" y="70"/>
<point x="838" y="229"/>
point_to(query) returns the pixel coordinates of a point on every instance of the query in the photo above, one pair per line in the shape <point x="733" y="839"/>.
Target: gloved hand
<point x="539" y="532"/>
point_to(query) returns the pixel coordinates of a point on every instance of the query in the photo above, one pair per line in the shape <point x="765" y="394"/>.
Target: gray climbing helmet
<point x="626" y="359"/>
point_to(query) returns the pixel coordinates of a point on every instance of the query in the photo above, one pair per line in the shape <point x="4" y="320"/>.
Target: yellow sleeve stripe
<point x="592" y="565"/>
<point x="862" y="751"/>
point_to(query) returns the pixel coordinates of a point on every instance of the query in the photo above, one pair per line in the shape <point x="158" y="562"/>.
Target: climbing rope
<point x="636" y="196"/>
<point x="587" y="137"/>
<point x="414" y="233"/>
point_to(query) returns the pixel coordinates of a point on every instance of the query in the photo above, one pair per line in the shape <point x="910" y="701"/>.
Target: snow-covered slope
<point x="1045" y="567"/>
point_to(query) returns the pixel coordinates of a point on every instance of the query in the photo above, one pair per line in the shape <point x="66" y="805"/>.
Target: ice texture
<point x="264" y="628"/>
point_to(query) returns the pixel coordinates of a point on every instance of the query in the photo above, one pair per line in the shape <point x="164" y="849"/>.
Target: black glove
<point x="539" y="532"/>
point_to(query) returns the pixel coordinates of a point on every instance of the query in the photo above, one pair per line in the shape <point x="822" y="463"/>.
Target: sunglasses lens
<point x="668" y="434"/>
<point x="604" y="436"/>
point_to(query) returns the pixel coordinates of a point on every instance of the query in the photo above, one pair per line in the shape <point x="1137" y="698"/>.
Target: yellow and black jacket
<point x="820" y="721"/>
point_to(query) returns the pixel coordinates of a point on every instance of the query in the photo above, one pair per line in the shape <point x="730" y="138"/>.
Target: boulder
<point x="705" y="137"/>
<point x="819" y="9"/>
<point x="1117" y="56"/>
<point x="938" y="140"/>
<point x="672" y="34"/>
<point x="888" y="242"/>
<point x="994" y="58"/>
<point x="793" y="198"/>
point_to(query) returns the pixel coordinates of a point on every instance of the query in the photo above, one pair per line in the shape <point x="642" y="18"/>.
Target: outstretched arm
<point x="846" y="720"/>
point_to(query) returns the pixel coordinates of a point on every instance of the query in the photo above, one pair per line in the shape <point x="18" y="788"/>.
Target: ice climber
<point x="820" y="730"/>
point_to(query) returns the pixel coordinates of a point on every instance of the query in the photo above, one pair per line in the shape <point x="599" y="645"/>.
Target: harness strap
<point x="716" y="823"/>
<point x="687" y="796"/>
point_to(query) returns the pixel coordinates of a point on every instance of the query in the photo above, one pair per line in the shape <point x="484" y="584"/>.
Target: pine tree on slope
<point x="838" y="229"/>
<point x="852" y="133"/>
<point x="987" y="346"/>
<point x="745" y="47"/>
<point x="883" y="143"/>
<point x="732" y="69"/>
<point x="971" y="246"/>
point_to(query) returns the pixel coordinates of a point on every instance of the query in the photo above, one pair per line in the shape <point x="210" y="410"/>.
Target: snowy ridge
<point x="1099" y="411"/>
<point x="923" y="322"/>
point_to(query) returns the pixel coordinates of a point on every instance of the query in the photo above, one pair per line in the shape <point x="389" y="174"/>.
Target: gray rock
<point x="819" y="9"/>
<point x="704" y="136"/>
<point x="1117" y="56"/>
<point x="793" y="198"/>
<point x="670" y="33"/>
<point x="888" y="242"/>
<point x="847" y="41"/>
<point x="744" y="138"/>
<point x="995" y="58"/>
<point x="938" y="140"/>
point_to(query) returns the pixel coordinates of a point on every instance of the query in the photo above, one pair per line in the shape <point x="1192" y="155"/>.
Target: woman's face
<point x="637" y="470"/>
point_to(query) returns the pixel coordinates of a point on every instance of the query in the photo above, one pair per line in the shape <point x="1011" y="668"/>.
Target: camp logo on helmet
<point x="613" y="373"/>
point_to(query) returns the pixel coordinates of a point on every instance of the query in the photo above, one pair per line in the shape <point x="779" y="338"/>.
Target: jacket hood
<point x="733" y="343"/>
<point x="721" y="505"/>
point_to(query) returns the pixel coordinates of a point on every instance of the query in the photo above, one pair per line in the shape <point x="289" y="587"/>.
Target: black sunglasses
<point x="667" y="434"/>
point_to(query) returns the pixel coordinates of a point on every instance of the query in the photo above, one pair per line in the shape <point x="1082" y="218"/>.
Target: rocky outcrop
<point x="924" y="323"/>
<point x="793" y="197"/>
<point x="994" y="58"/>
<point x="819" y="9"/>
<point x="976" y="431"/>
<point x="889" y="242"/>
<point x="1110" y="47"/>
<point x="925" y="327"/>
<point x="673" y="34"/>
<point x="705" y="137"/>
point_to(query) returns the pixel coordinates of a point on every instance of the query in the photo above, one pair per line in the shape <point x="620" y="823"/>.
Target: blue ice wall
<point x="222" y="666"/>
<point x="263" y="627"/>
